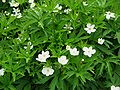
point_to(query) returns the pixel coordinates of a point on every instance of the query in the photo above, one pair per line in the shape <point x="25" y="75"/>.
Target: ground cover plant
<point x="59" y="44"/>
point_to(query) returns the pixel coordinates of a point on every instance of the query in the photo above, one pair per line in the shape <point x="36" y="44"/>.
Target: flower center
<point x="90" y="29"/>
<point x="44" y="55"/>
<point x="88" y="51"/>
<point x="48" y="70"/>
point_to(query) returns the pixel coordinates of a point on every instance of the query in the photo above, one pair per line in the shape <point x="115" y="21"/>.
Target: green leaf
<point x="6" y="88"/>
<point x="109" y="69"/>
<point x="14" y="76"/>
<point x="75" y="84"/>
<point x="101" y="69"/>
<point x="40" y="24"/>
<point x="69" y="74"/>
<point x="21" y="1"/>
<point x="61" y="84"/>
<point x="12" y="87"/>
<point x="106" y="32"/>
<point x="81" y="38"/>
<point x="27" y="87"/>
<point x="1" y="86"/>
<point x="43" y="80"/>
<point x="10" y="20"/>
<point x="82" y="79"/>
<point x="21" y="83"/>
<point x="118" y="36"/>
<point x="54" y="83"/>
<point x="104" y="49"/>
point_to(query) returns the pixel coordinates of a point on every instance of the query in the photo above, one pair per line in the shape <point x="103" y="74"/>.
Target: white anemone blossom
<point x="13" y="3"/>
<point x="2" y="72"/>
<point x="42" y="57"/>
<point x="89" y="51"/>
<point x="47" y="71"/>
<point x="85" y="3"/>
<point x="31" y="1"/>
<point x="82" y="60"/>
<point x="67" y="26"/>
<point x="109" y="15"/>
<point x="32" y="5"/>
<point x="29" y="44"/>
<point x="67" y="47"/>
<point x="57" y="8"/>
<point x="74" y="52"/>
<point x="16" y="12"/>
<point x="100" y="41"/>
<point x="63" y="60"/>
<point x="115" y="88"/>
<point x="3" y="1"/>
<point x="90" y="28"/>
<point x="67" y="11"/>
<point x="7" y="13"/>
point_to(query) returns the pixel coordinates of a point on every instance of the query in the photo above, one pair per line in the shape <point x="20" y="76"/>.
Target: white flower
<point x="69" y="32"/>
<point x="89" y="51"/>
<point x="67" y="47"/>
<point x="68" y="27"/>
<point x="44" y="5"/>
<point x="14" y="4"/>
<point x="3" y="1"/>
<point x="63" y="60"/>
<point x="42" y="57"/>
<point x="31" y="1"/>
<point x="47" y="71"/>
<point x="90" y="28"/>
<point x="18" y="39"/>
<point x="100" y="41"/>
<point x="85" y="3"/>
<point x="109" y="15"/>
<point x="115" y="88"/>
<point x="74" y="52"/>
<point x="67" y="11"/>
<point x="57" y="8"/>
<point x="16" y="12"/>
<point x="82" y="60"/>
<point x="13" y="15"/>
<point x="19" y="15"/>
<point x="2" y="72"/>
<point x="5" y="28"/>
<point x="7" y="13"/>
<point x="28" y="38"/>
<point x="29" y="43"/>
<point x="32" y="5"/>
<point x="25" y="47"/>
<point x="31" y="47"/>
<point x="45" y="54"/>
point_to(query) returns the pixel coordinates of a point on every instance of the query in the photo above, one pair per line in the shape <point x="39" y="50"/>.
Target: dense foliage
<point x="59" y="44"/>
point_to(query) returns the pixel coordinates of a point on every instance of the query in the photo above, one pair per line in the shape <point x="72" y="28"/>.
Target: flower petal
<point x="85" y="48"/>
